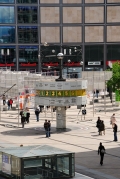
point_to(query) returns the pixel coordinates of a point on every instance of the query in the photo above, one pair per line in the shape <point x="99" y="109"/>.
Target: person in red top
<point x="11" y="102"/>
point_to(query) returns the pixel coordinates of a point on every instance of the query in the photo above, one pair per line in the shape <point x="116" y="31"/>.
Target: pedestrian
<point x="49" y="129"/>
<point x="21" y="113"/>
<point x="23" y="118"/>
<point x="47" y="107"/>
<point x="4" y="99"/>
<point x="101" y="151"/>
<point x="103" y="127"/>
<point x="27" y="115"/>
<point x="11" y="102"/>
<point x="98" y="124"/>
<point x="113" y="120"/>
<point x="41" y="108"/>
<point x="37" y="112"/>
<point x="8" y="103"/>
<point x="46" y="126"/>
<point x="97" y="93"/>
<point x="115" y="132"/>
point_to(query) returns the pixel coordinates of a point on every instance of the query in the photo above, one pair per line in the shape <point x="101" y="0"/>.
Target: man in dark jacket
<point x="49" y="128"/>
<point x="46" y="127"/>
<point x="98" y="124"/>
<point x="101" y="151"/>
<point x="21" y="113"/>
<point x="23" y="117"/>
<point x="115" y="132"/>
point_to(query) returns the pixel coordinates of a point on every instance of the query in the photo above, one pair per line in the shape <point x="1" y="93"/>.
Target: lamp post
<point x="60" y="57"/>
<point x="39" y="62"/>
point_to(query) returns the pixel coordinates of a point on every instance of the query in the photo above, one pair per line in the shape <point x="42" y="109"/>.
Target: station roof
<point x="34" y="151"/>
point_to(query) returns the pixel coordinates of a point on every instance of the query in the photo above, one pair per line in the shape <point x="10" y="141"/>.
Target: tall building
<point x="87" y="30"/>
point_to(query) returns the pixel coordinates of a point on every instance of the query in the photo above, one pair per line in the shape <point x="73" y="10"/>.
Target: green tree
<point x="114" y="82"/>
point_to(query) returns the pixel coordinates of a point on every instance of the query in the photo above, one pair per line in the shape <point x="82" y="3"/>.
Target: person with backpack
<point x="101" y="151"/>
<point x="37" y="112"/>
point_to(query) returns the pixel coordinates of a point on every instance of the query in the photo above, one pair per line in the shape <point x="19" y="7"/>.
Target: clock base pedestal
<point x="61" y="117"/>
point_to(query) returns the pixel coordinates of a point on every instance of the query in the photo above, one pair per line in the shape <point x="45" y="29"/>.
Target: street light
<point x="60" y="57"/>
<point x="39" y="62"/>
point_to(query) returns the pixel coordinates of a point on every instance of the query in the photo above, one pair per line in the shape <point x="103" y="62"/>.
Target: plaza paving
<point x="81" y="137"/>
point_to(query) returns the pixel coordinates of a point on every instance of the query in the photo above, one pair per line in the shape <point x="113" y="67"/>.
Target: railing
<point x="56" y="75"/>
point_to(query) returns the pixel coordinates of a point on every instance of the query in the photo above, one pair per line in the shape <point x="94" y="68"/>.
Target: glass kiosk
<point x="36" y="162"/>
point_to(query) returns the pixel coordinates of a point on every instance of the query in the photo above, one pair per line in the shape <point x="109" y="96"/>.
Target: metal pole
<point x="52" y="113"/>
<point x="93" y="94"/>
<point x="60" y="69"/>
<point x="39" y="64"/>
<point x="18" y="103"/>
<point x="18" y="109"/>
<point x="104" y="95"/>
<point x="0" y="109"/>
<point x="5" y="59"/>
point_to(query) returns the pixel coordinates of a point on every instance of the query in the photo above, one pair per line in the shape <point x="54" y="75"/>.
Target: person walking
<point x="98" y="124"/>
<point x="101" y="151"/>
<point x="97" y="93"/>
<point x="49" y="129"/>
<point x="8" y="103"/>
<point x="46" y="126"/>
<point x="113" y="120"/>
<point x="37" y="112"/>
<point x="23" y="118"/>
<point x="11" y="102"/>
<point x="115" y="132"/>
<point x="27" y="115"/>
<point x="4" y="99"/>
<point x="21" y="113"/>
<point x="103" y="127"/>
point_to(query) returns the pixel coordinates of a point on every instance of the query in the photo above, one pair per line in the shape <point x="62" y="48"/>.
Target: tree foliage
<point x="114" y="82"/>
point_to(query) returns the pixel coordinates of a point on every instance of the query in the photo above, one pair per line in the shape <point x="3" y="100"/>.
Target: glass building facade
<point x="87" y="30"/>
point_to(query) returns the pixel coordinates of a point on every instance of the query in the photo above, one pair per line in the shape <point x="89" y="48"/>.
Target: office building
<point x="87" y="30"/>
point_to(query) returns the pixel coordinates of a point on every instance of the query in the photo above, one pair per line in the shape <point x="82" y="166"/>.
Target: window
<point x="27" y="14"/>
<point x="27" y="1"/>
<point x="6" y="14"/>
<point x="113" y="52"/>
<point x="28" y="54"/>
<point x="94" y="53"/>
<point x="5" y="57"/>
<point x="27" y="34"/>
<point x="7" y="34"/>
<point x="7" y="1"/>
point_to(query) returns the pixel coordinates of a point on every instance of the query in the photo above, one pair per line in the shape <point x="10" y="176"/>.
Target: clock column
<point x="61" y="117"/>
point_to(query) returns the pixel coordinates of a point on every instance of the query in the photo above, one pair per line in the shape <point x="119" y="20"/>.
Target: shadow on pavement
<point x="32" y="131"/>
